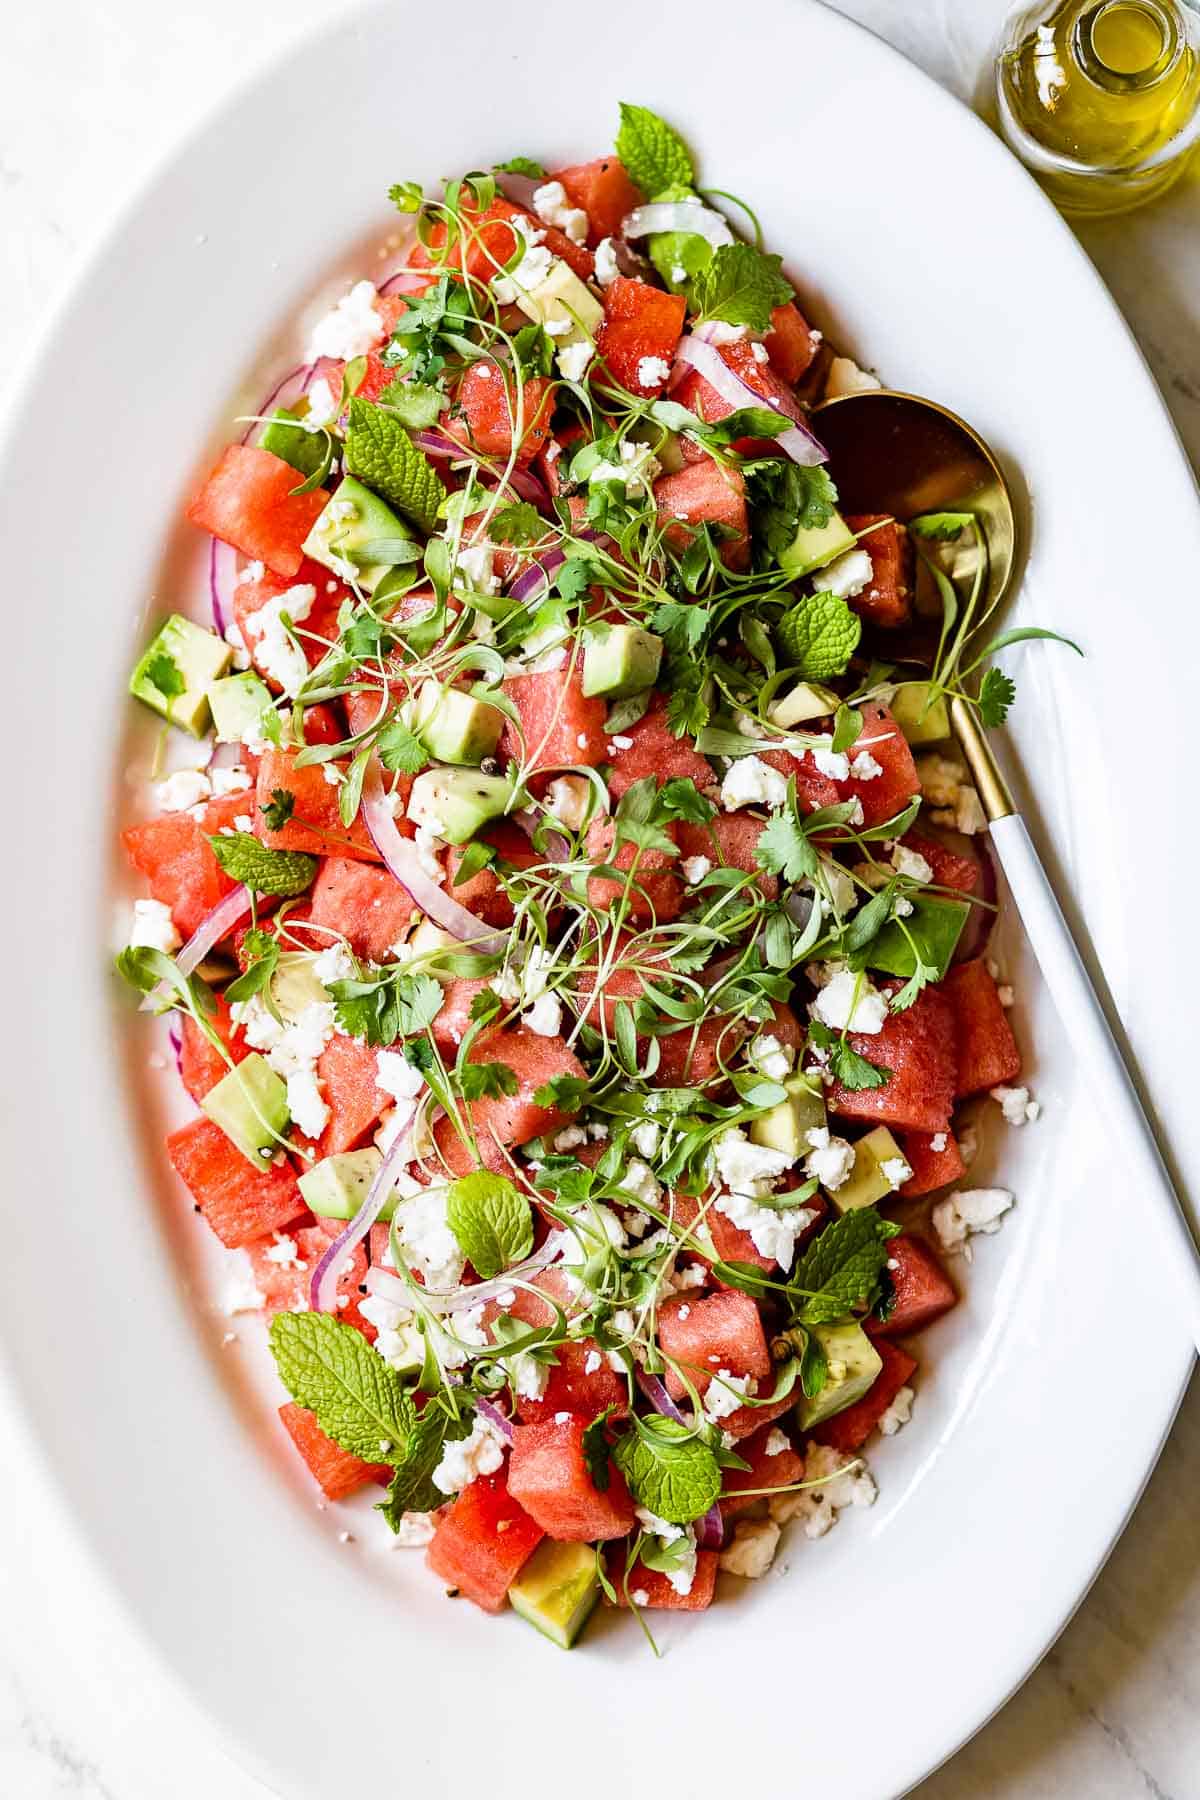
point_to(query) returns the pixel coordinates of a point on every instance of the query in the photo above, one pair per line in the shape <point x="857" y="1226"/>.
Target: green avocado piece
<point x="557" y="1589"/>
<point x="455" y="803"/>
<point x="922" y="720"/>
<point x="853" y="1363"/>
<point x="784" y="1127"/>
<point x="357" y="530"/>
<point x="807" y="700"/>
<point x="621" y="662"/>
<point x="336" y="1187"/>
<point x="562" y="299"/>
<point x="239" y="704"/>
<point x="286" y="437"/>
<point x="185" y="657"/>
<point x="815" y="545"/>
<point x="935" y="925"/>
<point x="866" y="1182"/>
<point x="455" y="727"/>
<point x="250" y="1105"/>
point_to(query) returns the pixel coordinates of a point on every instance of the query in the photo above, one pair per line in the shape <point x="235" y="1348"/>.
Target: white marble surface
<point x="93" y="92"/>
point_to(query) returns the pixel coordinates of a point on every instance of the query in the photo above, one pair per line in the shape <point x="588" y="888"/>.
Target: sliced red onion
<point x="498" y="1420"/>
<point x="175" y="1039"/>
<point x="710" y="1530"/>
<point x="222" y="579"/>
<point x="677" y="215"/>
<point x="536" y="578"/>
<point x="434" y="444"/>
<point x="558" y="850"/>
<point x="797" y="441"/>
<point x="390" y="1287"/>
<point x="323" y="1287"/>
<point x="520" y="189"/>
<point x="403" y="862"/>
<point x="212" y="928"/>
<point x="528" y="486"/>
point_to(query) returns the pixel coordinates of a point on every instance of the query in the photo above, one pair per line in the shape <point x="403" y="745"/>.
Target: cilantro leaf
<point x="655" y="156"/>
<point x="282" y="872"/>
<point x="380" y="453"/>
<point x="687" y="707"/>
<point x="520" y="165"/>
<point x="786" y="498"/>
<point x="518" y="523"/>
<point x="330" y="1368"/>
<point x="567" y="1093"/>
<point x="491" y="1220"/>
<point x="669" y="1470"/>
<point x="845" y="1064"/>
<point x="819" y="635"/>
<point x="163" y="673"/>
<point x="741" y="286"/>
<point x="261" y="950"/>
<point x="400" y="749"/>
<point x="414" y="403"/>
<point x="383" y="1007"/>
<point x="488" y="1081"/>
<point x="842" y="1268"/>
<point x="412" y="1488"/>
<point x="681" y="626"/>
<point x="783" y="847"/>
<point x="406" y="196"/>
<point x="279" y="808"/>
<point x="997" y="692"/>
<point x="533" y="350"/>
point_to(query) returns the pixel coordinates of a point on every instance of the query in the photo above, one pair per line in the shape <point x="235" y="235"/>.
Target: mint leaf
<point x="163" y="673"/>
<point x="655" y="156"/>
<point x="520" y="165"/>
<point x="487" y="1081"/>
<point x="279" y="808"/>
<point x="669" y="1470"/>
<point x="741" y="286"/>
<point x="331" y="1369"/>
<point x="819" y="635"/>
<point x="281" y="872"/>
<point x="412" y="1488"/>
<point x="380" y="453"/>
<point x="399" y="749"/>
<point x="996" y="694"/>
<point x="842" y="1268"/>
<point x="492" y="1221"/>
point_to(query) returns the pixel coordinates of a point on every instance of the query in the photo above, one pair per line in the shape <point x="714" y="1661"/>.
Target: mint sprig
<point x="741" y="286"/>
<point x="655" y="156"/>
<point x="819" y="636"/>
<point x="331" y="1369"/>
<point x="283" y="873"/>
<point x="381" y="454"/>
<point x="841" y="1270"/>
<point x="669" y="1469"/>
<point x="491" y="1220"/>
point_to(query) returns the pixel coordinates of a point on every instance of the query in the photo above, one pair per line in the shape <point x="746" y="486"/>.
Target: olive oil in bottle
<point x="1101" y="98"/>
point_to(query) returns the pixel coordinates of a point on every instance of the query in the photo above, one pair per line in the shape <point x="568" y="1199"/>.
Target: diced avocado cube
<point x="620" y="661"/>
<point x="561" y="298"/>
<point x="285" y="437"/>
<point x="336" y="1187"/>
<point x="807" y="700"/>
<point x="239" y="704"/>
<point x="785" y="1126"/>
<point x="921" y="712"/>
<point x="356" y="532"/>
<point x="815" y="545"/>
<point x="557" y="1589"/>
<point x="250" y="1105"/>
<point x="176" y="671"/>
<point x="455" y="803"/>
<point x="295" y="985"/>
<point x="868" y="1182"/>
<point x="455" y="727"/>
<point x="935" y="926"/>
<point x="425" y="938"/>
<point x="853" y="1363"/>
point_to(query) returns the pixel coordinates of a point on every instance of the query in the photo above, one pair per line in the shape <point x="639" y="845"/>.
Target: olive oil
<point x="1101" y="98"/>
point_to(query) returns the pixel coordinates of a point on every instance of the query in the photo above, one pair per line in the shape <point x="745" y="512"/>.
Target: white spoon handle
<point x="1100" y="1058"/>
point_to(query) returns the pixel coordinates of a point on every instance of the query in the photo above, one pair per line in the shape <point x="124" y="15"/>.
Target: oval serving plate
<point x="869" y="1656"/>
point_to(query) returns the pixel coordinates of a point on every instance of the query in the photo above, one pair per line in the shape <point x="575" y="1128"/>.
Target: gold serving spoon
<point x="903" y="455"/>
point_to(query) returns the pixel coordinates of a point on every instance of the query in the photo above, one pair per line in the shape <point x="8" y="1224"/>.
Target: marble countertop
<point x="93" y="95"/>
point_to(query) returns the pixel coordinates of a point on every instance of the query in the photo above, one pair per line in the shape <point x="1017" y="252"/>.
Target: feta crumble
<point x="278" y="656"/>
<point x="1015" y="1104"/>
<point x="552" y="207"/>
<point x="911" y="863"/>
<point x="898" y="1413"/>
<point x="573" y="360"/>
<point x="844" y="1482"/>
<point x="183" y="790"/>
<point x="846" y="576"/>
<point x="695" y="868"/>
<point x="397" y="1076"/>
<point x="351" y="329"/>
<point x="606" y="268"/>
<point x="751" y="782"/>
<point x="726" y="1393"/>
<point x="960" y="1216"/>
<point x="848" y="1002"/>
<point x="153" y="928"/>
<point x="845" y="377"/>
<point x="306" y="1103"/>
<point x="481" y="1453"/>
<point x="568" y="800"/>
<point x="770" y="1057"/>
<point x="745" y="1167"/>
<point x="830" y="1159"/>
<point x="652" y="371"/>
<point x="752" y="1549"/>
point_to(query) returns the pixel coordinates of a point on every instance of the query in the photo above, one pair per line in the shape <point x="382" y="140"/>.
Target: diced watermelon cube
<point x="655" y="895"/>
<point x="452" y="1022"/>
<point x="549" y="1476"/>
<point x="922" y="1288"/>
<point x="730" y="1242"/>
<point x="639" y="322"/>
<point x="484" y="893"/>
<point x="889" y="793"/>
<point x="314" y="825"/>
<point x="654" y="1589"/>
<point x="705" y="492"/>
<point x="656" y="751"/>
<point x="693" y="1055"/>
<point x="848" y="1431"/>
<point x="720" y="1331"/>
<point x="766" y="1470"/>
<point x="286" y="1286"/>
<point x="240" y="1203"/>
<point x="604" y="191"/>
<point x="534" y="1060"/>
<point x="931" y="1169"/>
<point x="572" y="1386"/>
<point x="918" y="1047"/>
<point x="346" y="1070"/>
<point x="201" y="1065"/>
<point x="729" y="841"/>
<point x="175" y="856"/>
<point x="559" y="726"/>
<point x="790" y="342"/>
<point x="492" y="413"/>
<point x="748" y="1419"/>
<point x="338" y="1473"/>
<point x="694" y="392"/>
<point x="813" y="789"/>
<point x="366" y="904"/>
<point x="887" y="598"/>
<point x="987" y="1050"/>
<point x="482" y="1542"/>
<point x="248" y="502"/>
<point x="315" y="632"/>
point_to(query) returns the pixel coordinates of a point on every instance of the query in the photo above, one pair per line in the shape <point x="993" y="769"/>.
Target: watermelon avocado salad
<point x="572" y="915"/>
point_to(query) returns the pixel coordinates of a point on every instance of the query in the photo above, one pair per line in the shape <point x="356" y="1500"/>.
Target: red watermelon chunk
<point x="987" y="1050"/>
<point x="848" y="1431"/>
<point x="315" y="632"/>
<point x="693" y="1055"/>
<point x="572" y="1386"/>
<point x="765" y="1471"/>
<point x="201" y="1065"/>
<point x="548" y="1475"/>
<point x="889" y="793"/>
<point x="887" y="598"/>
<point x="790" y="342"/>
<point x="656" y="751"/>
<point x="285" y="1285"/>
<point x="492" y="413"/>
<point x="813" y="789"/>
<point x="748" y="1419"/>
<point x="248" y="502"/>
<point x="720" y="1331"/>
<point x="484" y="894"/>
<point x="654" y="1589"/>
<point x="654" y="896"/>
<point x="729" y="842"/>
<point x="705" y="492"/>
<point x="240" y="1203"/>
<point x="346" y="1071"/>
<point x="639" y="321"/>
<point x="482" y="1542"/>
<point x="931" y="1169"/>
<point x="559" y="726"/>
<point x="367" y="905"/>
<point x="918" y="1047"/>
<point x="604" y="191"/>
<point x="338" y="1473"/>
<point x="730" y="1242"/>
<point x="922" y="1288"/>
<point x="175" y="856"/>
<point x="534" y="1060"/>
<point x="315" y="825"/>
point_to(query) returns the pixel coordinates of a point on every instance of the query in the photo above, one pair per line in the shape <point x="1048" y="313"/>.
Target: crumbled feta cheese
<point x="959" y="1216"/>
<point x="770" y="1057"/>
<point x="652" y="371"/>
<point x="620" y="743"/>
<point x="280" y="659"/>
<point x="573" y="360"/>
<point x="284" y="1252"/>
<point x="752" y="1549"/>
<point x="848" y="1001"/>
<point x="591" y="1362"/>
<point x="570" y="1138"/>
<point x="1005" y="995"/>
<point x="241" y="1293"/>
<point x="751" y="782"/>
<point x="678" y="274"/>
<point x="726" y="1393"/>
<point x="748" y="1168"/>
<point x="772" y="1229"/>
<point x="846" y="576"/>
<point x="640" y="1597"/>
<point x="544" y="1017"/>
<point x="645" y="1138"/>
<point x="428" y="1241"/>
<point x="568" y="799"/>
<point x="1015" y="1104"/>
<point x="527" y="1376"/>
<point x="937" y="1142"/>
<point x="552" y="207"/>
<point x="351" y="329"/>
<point x="911" y="863"/>
<point x="695" y="868"/>
<point x="474" y="564"/>
<point x="898" y="1413"/>
<point x="428" y="845"/>
<point x="834" y="763"/>
<point x="184" y="789"/>
<point x="940" y="778"/>
<point x="506" y="984"/>
<point x="253" y="571"/>
<point x="895" y="1171"/>
<point x="845" y="377"/>
<point x="535" y="264"/>
<point x="760" y="353"/>
<point x="153" y="928"/>
<point x="830" y="1159"/>
<point x="719" y="332"/>
<point x="777" y="1442"/>
<point x="306" y="1104"/>
<point x="414" y="1531"/>
<point x="334" y="963"/>
<point x="607" y="268"/>
<point x="397" y="1076"/>
<point x="864" y="767"/>
<point x="237" y="643"/>
<point x="465" y="1460"/>
<point x="235" y="780"/>
<point x="661" y="1529"/>
<point x="638" y="1181"/>
<point x="323" y="406"/>
<point x="636" y="470"/>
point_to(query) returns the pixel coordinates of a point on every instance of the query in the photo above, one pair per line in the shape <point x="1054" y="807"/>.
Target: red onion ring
<point x="212" y="928"/>
<point x="434" y="444"/>
<point x="402" y="861"/>
<point x="677" y="215"/>
<point x="498" y="1420"/>
<point x="797" y="441"/>
<point x="536" y="578"/>
<point x="323" y="1287"/>
<point x="710" y="1530"/>
<point x="222" y="579"/>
